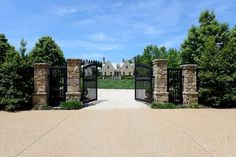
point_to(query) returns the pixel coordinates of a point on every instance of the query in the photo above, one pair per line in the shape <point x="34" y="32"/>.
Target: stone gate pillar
<point x="73" y="79"/>
<point x="190" y="94"/>
<point x="160" y="93"/>
<point x="40" y="95"/>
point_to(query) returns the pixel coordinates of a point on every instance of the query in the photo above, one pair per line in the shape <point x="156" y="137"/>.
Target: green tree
<point x="23" y="47"/>
<point x="150" y="53"/>
<point x="4" y="47"/>
<point x="173" y="58"/>
<point x="47" y="51"/>
<point x="16" y="82"/>
<point x="194" y="44"/>
<point x="211" y="45"/>
<point x="8" y="82"/>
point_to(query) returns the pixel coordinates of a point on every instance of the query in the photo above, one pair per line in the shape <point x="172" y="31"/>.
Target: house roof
<point x="115" y="64"/>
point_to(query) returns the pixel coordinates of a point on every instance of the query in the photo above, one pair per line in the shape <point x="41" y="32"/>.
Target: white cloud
<point x="93" y="56"/>
<point x="99" y="37"/>
<point x="146" y="28"/>
<point x="66" y="10"/>
<point x="90" y="45"/>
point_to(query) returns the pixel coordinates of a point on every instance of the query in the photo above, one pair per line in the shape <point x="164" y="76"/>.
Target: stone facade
<point x="108" y="69"/>
<point x="40" y="95"/>
<point x="73" y="79"/>
<point x="190" y="94"/>
<point x="127" y="69"/>
<point x="160" y="93"/>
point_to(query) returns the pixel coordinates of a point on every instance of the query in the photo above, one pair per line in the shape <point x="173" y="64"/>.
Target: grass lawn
<point x="116" y="84"/>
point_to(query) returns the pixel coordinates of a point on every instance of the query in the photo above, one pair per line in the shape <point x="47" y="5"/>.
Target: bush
<point x="42" y="107"/>
<point x="193" y="105"/>
<point x="71" y="105"/>
<point x="158" y="105"/>
<point x="16" y="84"/>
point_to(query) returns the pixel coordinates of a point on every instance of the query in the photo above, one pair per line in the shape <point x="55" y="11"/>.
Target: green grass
<point x="116" y="84"/>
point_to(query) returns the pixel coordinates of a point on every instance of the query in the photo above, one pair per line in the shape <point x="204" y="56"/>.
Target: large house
<point x="117" y="70"/>
<point x="108" y="69"/>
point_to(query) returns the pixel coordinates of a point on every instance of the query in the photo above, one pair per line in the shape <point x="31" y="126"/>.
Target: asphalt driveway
<point x="119" y="132"/>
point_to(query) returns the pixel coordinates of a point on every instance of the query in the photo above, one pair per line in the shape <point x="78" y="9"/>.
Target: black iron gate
<point x="143" y="83"/>
<point x="174" y="85"/>
<point x="89" y="85"/>
<point x="58" y="85"/>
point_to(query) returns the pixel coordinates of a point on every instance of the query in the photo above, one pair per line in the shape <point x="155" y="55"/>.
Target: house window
<point x="107" y="67"/>
<point x="110" y="73"/>
<point x="105" y="73"/>
<point x="123" y="73"/>
<point x="126" y="66"/>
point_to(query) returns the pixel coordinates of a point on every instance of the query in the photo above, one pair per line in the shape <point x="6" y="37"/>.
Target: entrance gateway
<point x="143" y="80"/>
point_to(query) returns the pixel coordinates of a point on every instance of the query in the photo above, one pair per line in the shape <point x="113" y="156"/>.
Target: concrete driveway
<point x="119" y="132"/>
<point x="116" y="98"/>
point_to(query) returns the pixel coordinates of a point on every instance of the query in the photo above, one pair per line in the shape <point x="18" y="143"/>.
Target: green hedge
<point x="158" y="105"/>
<point x="71" y="105"/>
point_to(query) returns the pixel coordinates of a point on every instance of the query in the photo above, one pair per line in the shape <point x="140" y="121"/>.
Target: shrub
<point x="193" y="105"/>
<point x="16" y="84"/>
<point x="71" y="105"/>
<point x="158" y="105"/>
<point x="42" y="107"/>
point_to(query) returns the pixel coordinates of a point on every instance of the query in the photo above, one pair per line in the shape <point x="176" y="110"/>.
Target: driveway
<point x="116" y="98"/>
<point x="119" y="132"/>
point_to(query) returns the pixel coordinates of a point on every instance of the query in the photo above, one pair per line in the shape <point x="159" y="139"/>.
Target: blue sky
<point x="114" y="29"/>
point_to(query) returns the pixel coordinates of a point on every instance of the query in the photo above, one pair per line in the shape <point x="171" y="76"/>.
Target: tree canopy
<point x="5" y="47"/>
<point x="194" y="44"/>
<point x="211" y="45"/>
<point x="152" y="52"/>
<point x="47" y="51"/>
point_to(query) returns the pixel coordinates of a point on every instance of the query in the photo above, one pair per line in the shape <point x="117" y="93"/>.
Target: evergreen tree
<point x="23" y="47"/>
<point x="16" y="81"/>
<point x="194" y="44"/>
<point x="4" y="47"/>
<point x="211" y="45"/>
<point x="47" y="51"/>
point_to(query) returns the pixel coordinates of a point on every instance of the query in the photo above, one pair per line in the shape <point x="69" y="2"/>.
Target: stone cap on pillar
<point x="41" y="65"/>
<point x="159" y="62"/>
<point x="189" y="66"/>
<point x="73" y="60"/>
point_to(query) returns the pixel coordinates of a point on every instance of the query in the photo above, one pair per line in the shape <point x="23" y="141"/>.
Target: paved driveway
<point x="116" y="98"/>
<point x="119" y="132"/>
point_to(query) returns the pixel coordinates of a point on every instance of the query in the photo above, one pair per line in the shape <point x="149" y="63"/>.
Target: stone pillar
<point x="160" y="93"/>
<point x="73" y="79"/>
<point x="190" y="94"/>
<point x="40" y="95"/>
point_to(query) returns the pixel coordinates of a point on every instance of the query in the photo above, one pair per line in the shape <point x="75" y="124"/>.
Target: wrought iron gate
<point x="58" y="85"/>
<point x="89" y="85"/>
<point x="143" y="83"/>
<point x="174" y="85"/>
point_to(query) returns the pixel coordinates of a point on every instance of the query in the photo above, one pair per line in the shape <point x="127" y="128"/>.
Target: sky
<point x="114" y="29"/>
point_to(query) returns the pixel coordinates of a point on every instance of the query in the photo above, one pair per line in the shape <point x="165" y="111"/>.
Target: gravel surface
<point x="123" y="129"/>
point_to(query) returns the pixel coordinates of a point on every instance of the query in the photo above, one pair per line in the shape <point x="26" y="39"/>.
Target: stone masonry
<point x="160" y="93"/>
<point x="40" y="95"/>
<point x="73" y="79"/>
<point x="190" y="94"/>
